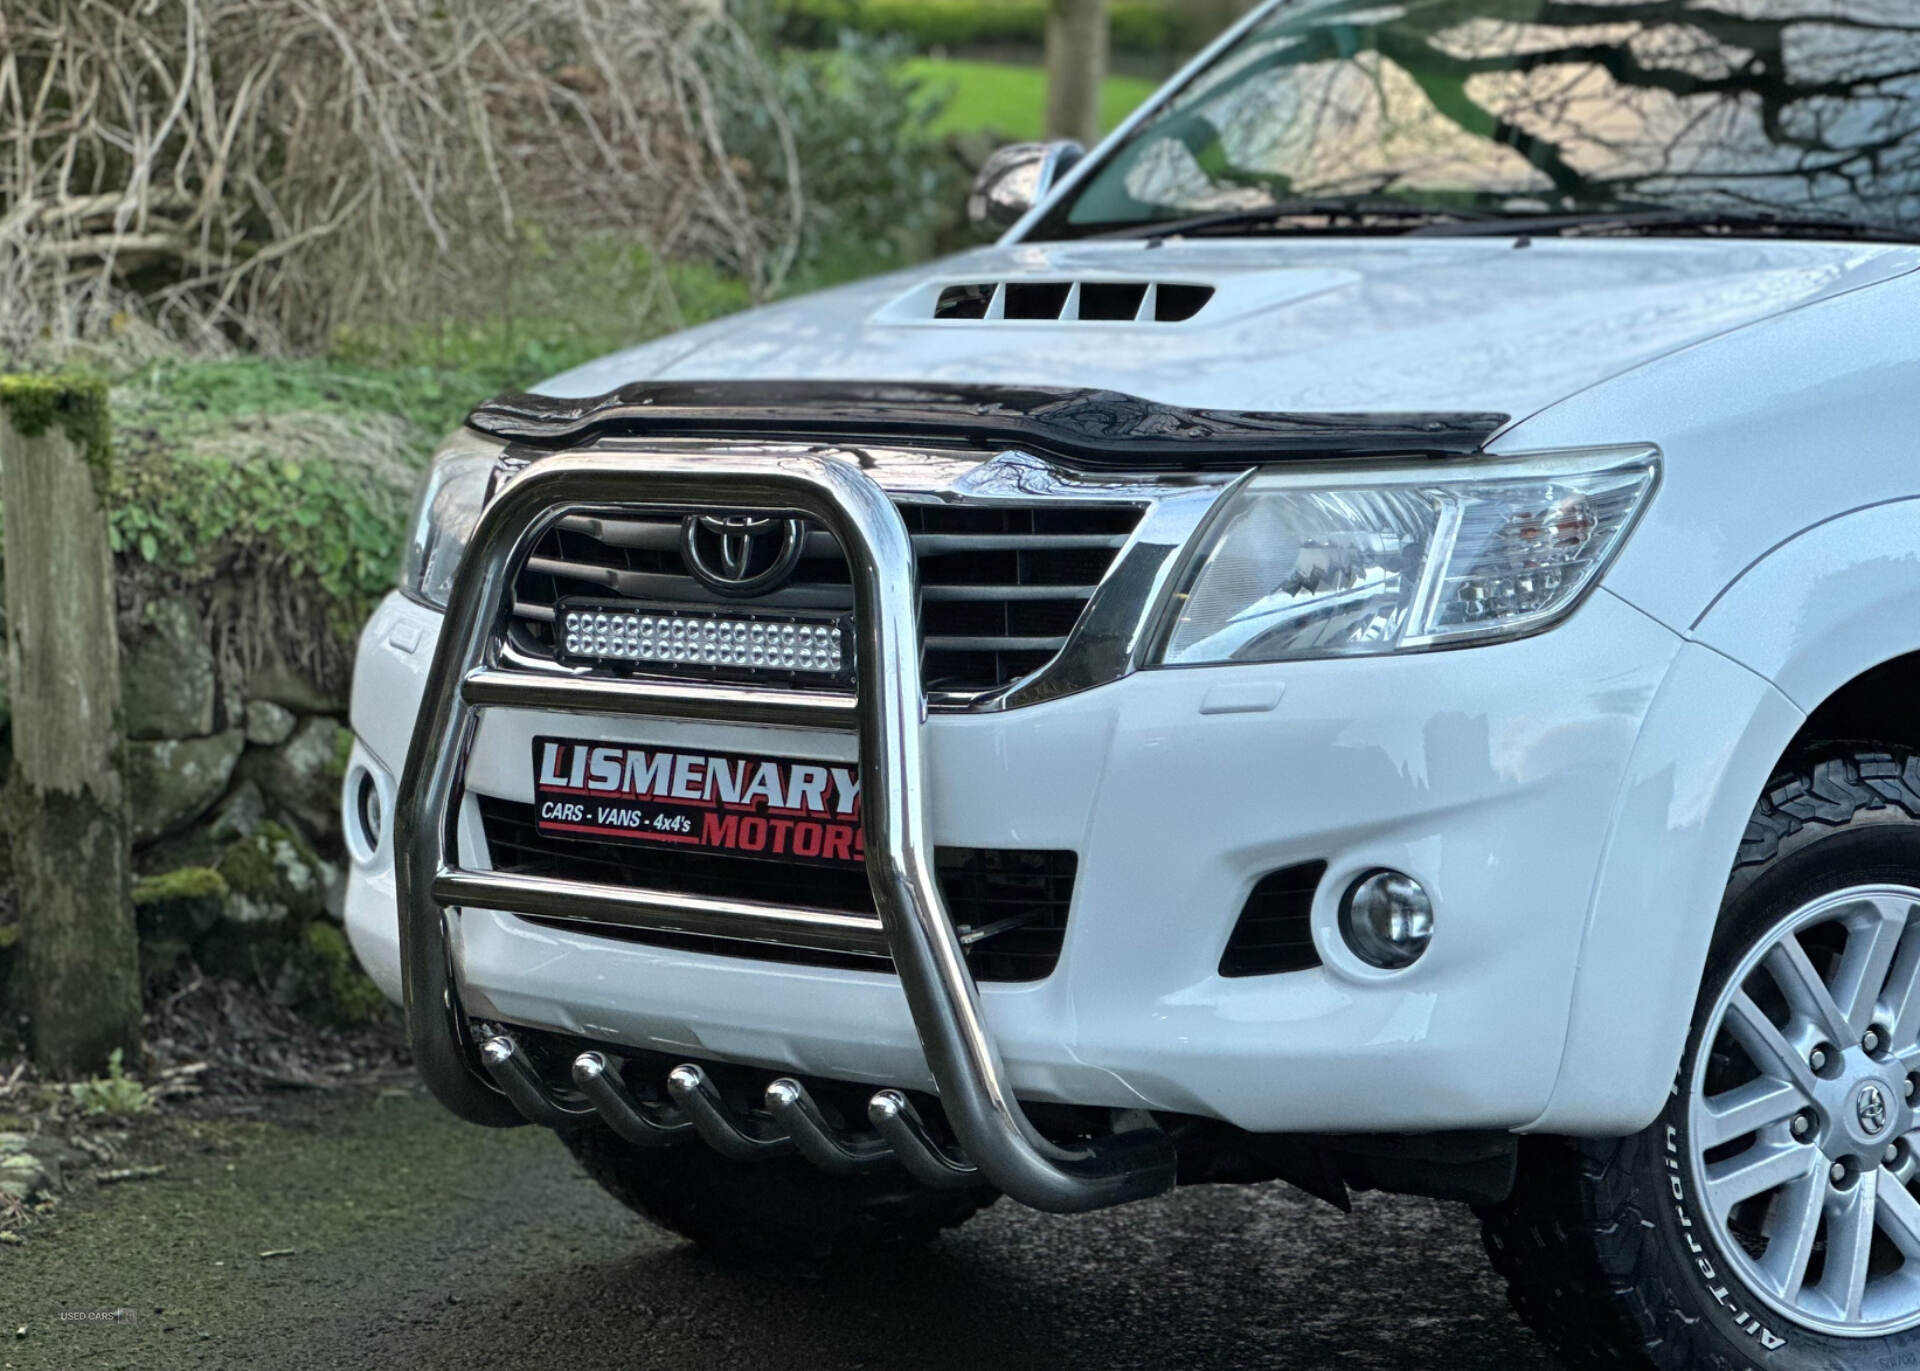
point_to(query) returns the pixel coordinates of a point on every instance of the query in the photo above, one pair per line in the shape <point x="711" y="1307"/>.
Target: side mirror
<point x="1016" y="178"/>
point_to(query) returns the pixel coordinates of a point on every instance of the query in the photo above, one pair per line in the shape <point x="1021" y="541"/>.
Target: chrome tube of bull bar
<point x="643" y="1126"/>
<point x="945" y="1005"/>
<point x="846" y="1154"/>
<point x="725" y="1132"/>
<point x="521" y="1084"/>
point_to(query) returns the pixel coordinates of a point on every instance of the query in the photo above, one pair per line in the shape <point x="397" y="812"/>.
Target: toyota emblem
<point x="1871" y="1107"/>
<point x="742" y="554"/>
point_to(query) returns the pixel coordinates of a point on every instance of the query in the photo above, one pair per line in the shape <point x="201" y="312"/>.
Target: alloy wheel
<point x="1802" y="1127"/>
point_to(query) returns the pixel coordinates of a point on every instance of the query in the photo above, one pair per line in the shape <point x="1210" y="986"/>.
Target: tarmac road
<point x="399" y="1238"/>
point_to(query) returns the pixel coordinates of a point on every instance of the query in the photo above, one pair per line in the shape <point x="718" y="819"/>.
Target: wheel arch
<point x="1826" y="608"/>
<point x="1704" y="755"/>
<point x="1880" y="705"/>
<point x="1817" y="641"/>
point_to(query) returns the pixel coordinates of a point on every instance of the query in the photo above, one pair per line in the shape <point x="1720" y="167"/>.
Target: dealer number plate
<point x="783" y="807"/>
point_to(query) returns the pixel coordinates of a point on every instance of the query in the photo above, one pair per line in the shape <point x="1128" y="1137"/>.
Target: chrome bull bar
<point x="1001" y="1146"/>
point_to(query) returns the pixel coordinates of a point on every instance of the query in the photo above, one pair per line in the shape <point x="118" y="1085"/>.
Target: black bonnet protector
<point x="1085" y="427"/>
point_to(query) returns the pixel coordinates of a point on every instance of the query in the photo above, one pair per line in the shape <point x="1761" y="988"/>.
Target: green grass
<point x="1011" y="100"/>
<point x="1153" y="28"/>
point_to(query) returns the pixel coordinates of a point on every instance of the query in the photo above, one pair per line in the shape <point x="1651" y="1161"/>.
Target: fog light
<point x="1387" y="919"/>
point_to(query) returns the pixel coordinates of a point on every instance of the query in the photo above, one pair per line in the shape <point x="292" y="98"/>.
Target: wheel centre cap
<point x="1864" y="1109"/>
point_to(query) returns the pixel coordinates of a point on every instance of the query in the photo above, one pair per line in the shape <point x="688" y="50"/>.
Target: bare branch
<point x="274" y="169"/>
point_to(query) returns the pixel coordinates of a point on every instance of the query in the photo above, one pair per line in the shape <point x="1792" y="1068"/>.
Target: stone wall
<point x="234" y="783"/>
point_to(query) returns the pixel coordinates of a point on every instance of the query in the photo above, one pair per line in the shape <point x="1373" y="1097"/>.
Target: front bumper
<point x="1491" y="774"/>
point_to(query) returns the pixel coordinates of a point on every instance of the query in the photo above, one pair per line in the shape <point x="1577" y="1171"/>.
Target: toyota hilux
<point x="1372" y="639"/>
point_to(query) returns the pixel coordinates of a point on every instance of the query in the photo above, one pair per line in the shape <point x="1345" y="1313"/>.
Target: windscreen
<point x="1534" y="107"/>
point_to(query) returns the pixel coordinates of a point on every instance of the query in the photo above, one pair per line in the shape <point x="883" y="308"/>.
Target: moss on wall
<point x="35" y="402"/>
<point x="336" y="990"/>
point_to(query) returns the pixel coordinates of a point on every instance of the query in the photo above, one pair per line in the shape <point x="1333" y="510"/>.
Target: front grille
<point x="1008" y="905"/>
<point x="1001" y="586"/>
<point x="1275" y="931"/>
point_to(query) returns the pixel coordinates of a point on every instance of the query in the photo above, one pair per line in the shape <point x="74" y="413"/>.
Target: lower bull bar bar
<point x="595" y="1078"/>
<point x="520" y="1083"/>
<point x="715" y="1120"/>
<point x="799" y="1124"/>
<point x="900" y="1124"/>
<point x="987" y="1121"/>
<point x="819" y="1141"/>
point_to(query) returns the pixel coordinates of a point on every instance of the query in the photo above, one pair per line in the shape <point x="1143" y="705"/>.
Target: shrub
<point x="868" y="168"/>
<point x="284" y="525"/>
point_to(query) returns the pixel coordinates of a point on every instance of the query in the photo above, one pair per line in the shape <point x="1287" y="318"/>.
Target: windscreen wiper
<point x="1755" y="223"/>
<point x="1383" y="215"/>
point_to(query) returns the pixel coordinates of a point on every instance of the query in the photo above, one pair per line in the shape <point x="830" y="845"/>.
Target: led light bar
<point x="682" y="638"/>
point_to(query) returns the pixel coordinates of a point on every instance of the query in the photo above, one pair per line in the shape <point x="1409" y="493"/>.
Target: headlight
<point x="1295" y="568"/>
<point x="443" y="518"/>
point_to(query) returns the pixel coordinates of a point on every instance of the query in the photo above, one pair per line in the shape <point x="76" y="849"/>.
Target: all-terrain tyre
<point x="782" y="1210"/>
<point x="1607" y="1252"/>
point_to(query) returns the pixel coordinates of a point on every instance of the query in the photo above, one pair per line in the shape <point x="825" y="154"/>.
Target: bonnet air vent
<point x="1177" y="304"/>
<point x="1118" y="302"/>
<point x="963" y="302"/>
<point x="1037" y="299"/>
<point x="1112" y="299"/>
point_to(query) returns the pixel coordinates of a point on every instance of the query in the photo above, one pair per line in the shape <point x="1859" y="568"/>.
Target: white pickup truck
<point x="1373" y="639"/>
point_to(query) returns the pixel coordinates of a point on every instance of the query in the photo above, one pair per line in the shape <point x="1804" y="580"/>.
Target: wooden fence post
<point x="66" y="803"/>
